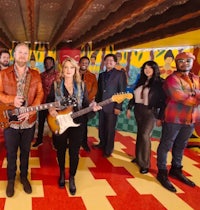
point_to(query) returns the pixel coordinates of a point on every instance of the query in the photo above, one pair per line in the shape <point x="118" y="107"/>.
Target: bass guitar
<point x="65" y="117"/>
<point x="8" y="113"/>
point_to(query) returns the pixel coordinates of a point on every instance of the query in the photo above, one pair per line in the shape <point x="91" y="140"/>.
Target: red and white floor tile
<point x="102" y="183"/>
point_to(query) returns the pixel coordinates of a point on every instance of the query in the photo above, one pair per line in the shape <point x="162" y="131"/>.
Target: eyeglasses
<point x="189" y="60"/>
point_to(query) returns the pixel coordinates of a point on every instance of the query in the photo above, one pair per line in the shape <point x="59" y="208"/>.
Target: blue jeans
<point x="175" y="137"/>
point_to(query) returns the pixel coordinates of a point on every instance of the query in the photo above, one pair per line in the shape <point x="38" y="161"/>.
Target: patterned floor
<point x="102" y="184"/>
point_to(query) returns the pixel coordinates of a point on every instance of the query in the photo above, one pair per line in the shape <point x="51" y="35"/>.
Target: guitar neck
<point x="39" y="107"/>
<point x="89" y="109"/>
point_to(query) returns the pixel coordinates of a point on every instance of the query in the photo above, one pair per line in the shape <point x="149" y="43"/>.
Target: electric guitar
<point x="65" y="117"/>
<point x="8" y="113"/>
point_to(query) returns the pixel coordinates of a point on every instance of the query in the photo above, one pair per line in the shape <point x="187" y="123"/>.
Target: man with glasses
<point x="181" y="112"/>
<point x="110" y="82"/>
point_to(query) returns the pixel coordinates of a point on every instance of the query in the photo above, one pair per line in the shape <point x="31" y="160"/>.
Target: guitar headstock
<point x="68" y="101"/>
<point x="120" y="97"/>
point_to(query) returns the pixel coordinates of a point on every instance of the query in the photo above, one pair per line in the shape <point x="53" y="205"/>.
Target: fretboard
<point x="89" y="109"/>
<point x="39" y="107"/>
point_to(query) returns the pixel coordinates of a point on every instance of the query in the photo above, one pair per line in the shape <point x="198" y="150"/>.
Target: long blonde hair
<point x="77" y="76"/>
<point x="77" y="79"/>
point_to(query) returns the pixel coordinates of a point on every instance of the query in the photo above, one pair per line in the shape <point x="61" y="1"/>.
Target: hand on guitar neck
<point x="19" y="102"/>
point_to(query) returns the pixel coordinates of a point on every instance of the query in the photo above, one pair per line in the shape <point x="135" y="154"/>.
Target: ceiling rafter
<point x="183" y="27"/>
<point x="78" y="8"/>
<point x="23" y="21"/>
<point x="4" y="41"/>
<point x="143" y="15"/>
<point x="128" y="14"/>
<point x="120" y="17"/>
<point x="31" y="19"/>
<point x="156" y="22"/>
<point x="73" y="23"/>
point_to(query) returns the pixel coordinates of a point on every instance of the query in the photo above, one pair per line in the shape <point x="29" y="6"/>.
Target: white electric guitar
<point x="64" y="119"/>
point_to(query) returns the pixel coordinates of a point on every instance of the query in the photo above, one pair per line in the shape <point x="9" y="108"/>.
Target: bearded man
<point x="4" y="59"/>
<point x="181" y="113"/>
<point x="20" y="86"/>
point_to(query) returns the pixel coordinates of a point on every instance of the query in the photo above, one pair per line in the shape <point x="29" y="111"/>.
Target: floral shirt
<point x="47" y="80"/>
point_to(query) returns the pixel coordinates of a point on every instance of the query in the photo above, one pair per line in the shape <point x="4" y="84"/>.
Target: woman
<point x="70" y="85"/>
<point x="148" y="102"/>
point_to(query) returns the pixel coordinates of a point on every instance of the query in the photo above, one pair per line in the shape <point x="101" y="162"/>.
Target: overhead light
<point x="68" y="40"/>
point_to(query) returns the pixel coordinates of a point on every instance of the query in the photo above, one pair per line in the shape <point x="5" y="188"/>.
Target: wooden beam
<point x="120" y="18"/>
<point x="78" y="8"/>
<point x="174" y="15"/>
<point x="30" y="19"/>
<point x="176" y="29"/>
<point x="4" y="41"/>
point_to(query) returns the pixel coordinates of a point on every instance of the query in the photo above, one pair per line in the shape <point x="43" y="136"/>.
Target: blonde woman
<point x="70" y="85"/>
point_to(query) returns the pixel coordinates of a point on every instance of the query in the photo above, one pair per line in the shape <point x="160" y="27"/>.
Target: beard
<point x="49" y="69"/>
<point x="4" y="64"/>
<point x="21" y="63"/>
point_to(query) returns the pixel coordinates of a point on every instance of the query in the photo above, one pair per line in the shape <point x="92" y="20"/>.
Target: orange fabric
<point x="185" y="55"/>
<point x="91" y="84"/>
<point x="8" y="89"/>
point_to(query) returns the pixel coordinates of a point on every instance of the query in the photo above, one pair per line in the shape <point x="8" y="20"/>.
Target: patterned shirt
<point x="47" y="80"/>
<point x="183" y="98"/>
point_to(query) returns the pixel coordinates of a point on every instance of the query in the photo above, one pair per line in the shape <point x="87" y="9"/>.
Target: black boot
<point x="72" y="186"/>
<point x="38" y="143"/>
<point x="10" y="188"/>
<point x="26" y="185"/>
<point x="86" y="147"/>
<point x="163" y="179"/>
<point x="176" y="172"/>
<point x="61" y="181"/>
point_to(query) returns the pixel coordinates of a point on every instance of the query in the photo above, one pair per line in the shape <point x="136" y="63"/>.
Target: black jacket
<point x="110" y="83"/>
<point x="156" y="99"/>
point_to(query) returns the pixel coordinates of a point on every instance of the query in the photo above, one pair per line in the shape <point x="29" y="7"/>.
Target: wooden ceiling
<point x="72" y="23"/>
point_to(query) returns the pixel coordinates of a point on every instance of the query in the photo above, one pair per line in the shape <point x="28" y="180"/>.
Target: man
<point x="20" y="86"/>
<point x="91" y="86"/>
<point x="118" y="65"/>
<point x="181" y="112"/>
<point x="33" y="62"/>
<point x="4" y="59"/>
<point x="48" y="77"/>
<point x="110" y="82"/>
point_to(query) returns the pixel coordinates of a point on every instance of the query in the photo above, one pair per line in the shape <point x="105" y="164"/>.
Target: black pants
<point x="107" y="123"/>
<point x="42" y="115"/>
<point x="145" y="122"/>
<point x="14" y="139"/>
<point x="85" y="131"/>
<point x="71" y="138"/>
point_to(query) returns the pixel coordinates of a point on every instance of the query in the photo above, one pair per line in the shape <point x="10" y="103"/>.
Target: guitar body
<point x="64" y="119"/>
<point x="4" y="120"/>
<point x="61" y="122"/>
<point x="9" y="114"/>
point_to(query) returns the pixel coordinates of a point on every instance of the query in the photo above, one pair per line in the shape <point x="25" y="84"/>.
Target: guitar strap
<point x="26" y="88"/>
